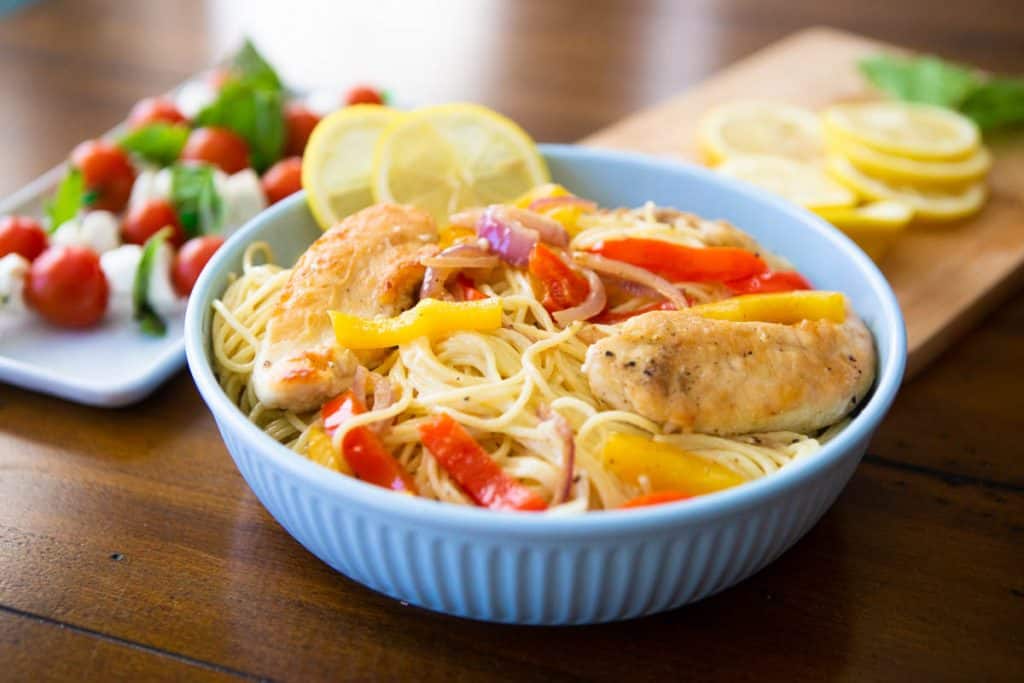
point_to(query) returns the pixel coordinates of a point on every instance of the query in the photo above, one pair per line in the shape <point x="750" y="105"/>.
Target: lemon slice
<point x="898" y="169"/>
<point x="927" y="204"/>
<point x="918" y="131"/>
<point x="883" y="214"/>
<point x="874" y="227"/>
<point x="802" y="183"/>
<point x="760" y="129"/>
<point x="454" y="156"/>
<point x="338" y="159"/>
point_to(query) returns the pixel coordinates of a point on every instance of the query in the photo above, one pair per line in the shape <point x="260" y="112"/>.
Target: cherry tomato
<point x="21" y="235"/>
<point x="190" y="261"/>
<point x="154" y="110"/>
<point x="364" y="94"/>
<point x="218" y="146"/>
<point x="145" y="220"/>
<point x="300" y="122"/>
<point x="107" y="171"/>
<point x="282" y="179"/>
<point x="67" y="287"/>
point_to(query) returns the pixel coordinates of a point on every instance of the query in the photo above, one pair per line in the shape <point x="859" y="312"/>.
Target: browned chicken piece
<point x="368" y="265"/>
<point x="726" y="378"/>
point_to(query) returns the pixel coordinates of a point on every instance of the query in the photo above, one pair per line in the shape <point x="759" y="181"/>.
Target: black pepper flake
<point x="649" y="372"/>
<point x="609" y="354"/>
<point x="631" y="364"/>
<point x="116" y="557"/>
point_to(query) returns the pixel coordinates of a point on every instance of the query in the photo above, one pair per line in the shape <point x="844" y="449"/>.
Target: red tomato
<point x="143" y="221"/>
<point x="282" y="179"/>
<point x="67" y="287"/>
<point x="154" y="110"/>
<point x="21" y="235"/>
<point x="300" y="122"/>
<point x="364" y="94"/>
<point x="190" y="261"/>
<point x="218" y="146"/>
<point x="107" y="171"/>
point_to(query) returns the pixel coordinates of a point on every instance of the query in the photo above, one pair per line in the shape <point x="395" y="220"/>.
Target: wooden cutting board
<point x="946" y="278"/>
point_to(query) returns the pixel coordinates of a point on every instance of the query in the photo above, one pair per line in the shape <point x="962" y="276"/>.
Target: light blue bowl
<point x="536" y="569"/>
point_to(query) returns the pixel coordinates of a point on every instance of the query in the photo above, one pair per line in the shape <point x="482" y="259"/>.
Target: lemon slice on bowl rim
<point x="338" y="160"/>
<point x="803" y="183"/>
<point x="918" y="131"/>
<point x="928" y="204"/>
<point x="759" y="128"/>
<point x="899" y="169"/>
<point x="449" y="157"/>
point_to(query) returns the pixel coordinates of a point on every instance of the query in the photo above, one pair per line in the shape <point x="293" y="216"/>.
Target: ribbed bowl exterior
<point x="545" y="569"/>
<point x="540" y="579"/>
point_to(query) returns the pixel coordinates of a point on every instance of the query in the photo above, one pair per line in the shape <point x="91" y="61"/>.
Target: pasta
<point x="500" y="384"/>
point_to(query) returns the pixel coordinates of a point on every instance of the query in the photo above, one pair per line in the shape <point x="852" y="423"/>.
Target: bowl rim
<point x="417" y="511"/>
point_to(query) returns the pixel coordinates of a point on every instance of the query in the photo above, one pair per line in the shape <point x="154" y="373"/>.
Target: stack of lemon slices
<point x="442" y="159"/>
<point x="869" y="168"/>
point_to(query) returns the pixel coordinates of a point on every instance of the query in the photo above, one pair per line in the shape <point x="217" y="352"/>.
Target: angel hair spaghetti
<point x="560" y="358"/>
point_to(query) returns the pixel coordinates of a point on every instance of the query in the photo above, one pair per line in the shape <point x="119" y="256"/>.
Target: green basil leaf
<point x="921" y="79"/>
<point x="997" y="103"/>
<point x="159" y="143"/>
<point x="70" y="198"/>
<point x="195" y="198"/>
<point x="255" y="114"/>
<point x="249" y="66"/>
<point x="148" y="319"/>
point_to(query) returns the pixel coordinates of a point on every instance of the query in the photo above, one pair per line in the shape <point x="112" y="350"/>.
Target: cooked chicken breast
<point x="725" y="378"/>
<point x="368" y="265"/>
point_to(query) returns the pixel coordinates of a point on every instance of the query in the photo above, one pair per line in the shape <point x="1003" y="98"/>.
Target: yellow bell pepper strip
<point x="472" y="468"/>
<point x="656" y="498"/>
<point x="429" y="318"/>
<point x="320" y="450"/>
<point x="544" y="191"/>
<point x="786" y="308"/>
<point x="667" y="467"/>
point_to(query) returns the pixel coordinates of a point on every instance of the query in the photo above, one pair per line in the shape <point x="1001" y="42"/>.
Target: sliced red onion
<point x="442" y="266"/>
<point x="589" y="307"/>
<point x="627" y="271"/>
<point x="564" y="433"/>
<point x="550" y="230"/>
<point x="545" y="203"/>
<point x="359" y="383"/>
<point x="509" y="238"/>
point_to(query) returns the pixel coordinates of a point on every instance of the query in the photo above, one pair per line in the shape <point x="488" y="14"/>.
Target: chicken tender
<point x="727" y="378"/>
<point x="368" y="265"/>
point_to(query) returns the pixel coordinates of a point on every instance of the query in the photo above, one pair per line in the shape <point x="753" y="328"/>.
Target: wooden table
<point x="131" y="547"/>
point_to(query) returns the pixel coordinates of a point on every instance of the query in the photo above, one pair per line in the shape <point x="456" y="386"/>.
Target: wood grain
<point x="41" y="650"/>
<point x="130" y="547"/>
<point x="945" y="277"/>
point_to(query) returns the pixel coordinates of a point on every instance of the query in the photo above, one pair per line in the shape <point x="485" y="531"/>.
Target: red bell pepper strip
<point x="465" y="289"/>
<point x="677" y="263"/>
<point x="563" y="286"/>
<point x="362" y="448"/>
<point x="473" y="469"/>
<point x="764" y="283"/>
<point x="656" y="498"/>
